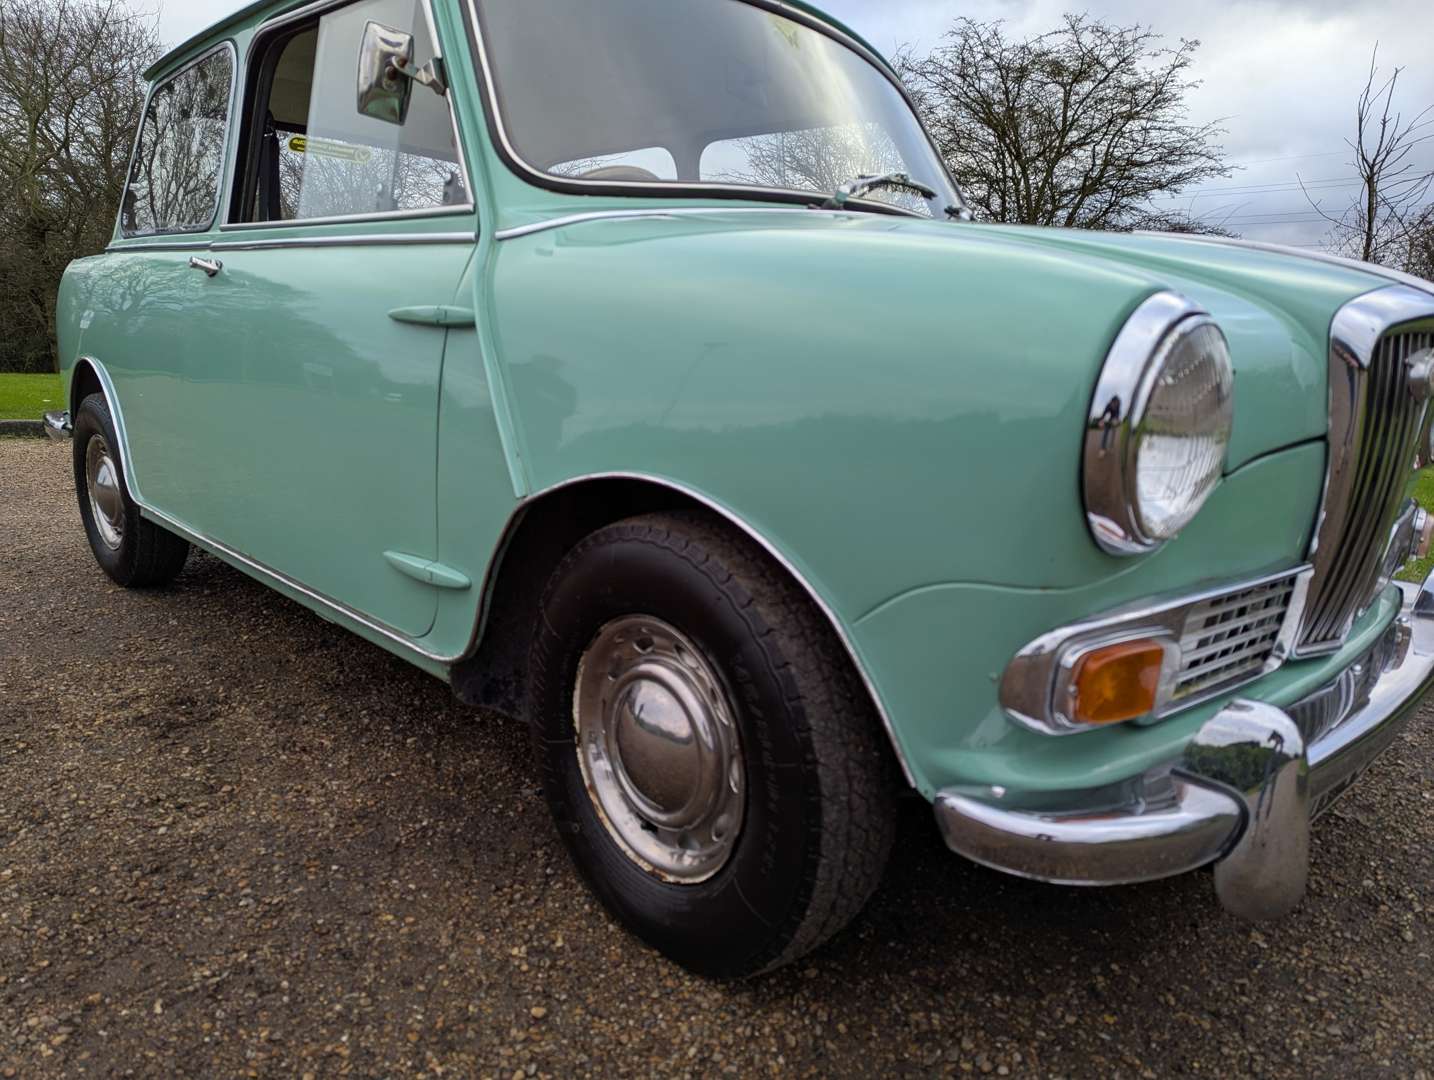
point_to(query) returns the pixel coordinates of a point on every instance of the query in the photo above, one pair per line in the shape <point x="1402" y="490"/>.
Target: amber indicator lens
<point x="1117" y="682"/>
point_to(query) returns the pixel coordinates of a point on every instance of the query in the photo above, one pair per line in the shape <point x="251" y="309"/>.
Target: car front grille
<point x="1375" y="422"/>
<point x="1229" y="639"/>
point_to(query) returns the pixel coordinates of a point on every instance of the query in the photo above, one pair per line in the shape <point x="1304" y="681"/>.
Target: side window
<point x="318" y="156"/>
<point x="175" y="179"/>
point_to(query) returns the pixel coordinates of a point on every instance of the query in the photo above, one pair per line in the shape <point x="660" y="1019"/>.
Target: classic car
<point x="637" y="369"/>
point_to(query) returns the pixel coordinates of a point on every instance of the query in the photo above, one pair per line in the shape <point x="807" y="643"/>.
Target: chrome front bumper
<point x="1242" y="796"/>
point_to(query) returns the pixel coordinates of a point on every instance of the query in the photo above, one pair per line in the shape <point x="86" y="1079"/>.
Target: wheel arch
<point x="90" y="377"/>
<point x="544" y="529"/>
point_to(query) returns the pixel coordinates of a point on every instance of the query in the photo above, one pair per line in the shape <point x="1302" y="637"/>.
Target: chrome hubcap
<point x="106" y="502"/>
<point x="657" y="742"/>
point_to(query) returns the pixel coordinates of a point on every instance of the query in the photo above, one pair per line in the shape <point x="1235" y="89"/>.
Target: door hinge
<point x="442" y="315"/>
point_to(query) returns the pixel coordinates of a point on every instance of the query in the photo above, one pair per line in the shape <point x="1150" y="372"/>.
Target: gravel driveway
<point x="235" y="840"/>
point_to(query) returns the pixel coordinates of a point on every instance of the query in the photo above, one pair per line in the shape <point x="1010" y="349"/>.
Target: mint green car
<point x="637" y="369"/>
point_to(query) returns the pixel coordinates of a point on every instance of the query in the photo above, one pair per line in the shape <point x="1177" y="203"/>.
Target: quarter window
<point x="318" y="156"/>
<point x="175" y="178"/>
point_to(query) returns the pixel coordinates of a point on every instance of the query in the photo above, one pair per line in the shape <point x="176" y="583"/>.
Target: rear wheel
<point x="135" y="552"/>
<point x="711" y="759"/>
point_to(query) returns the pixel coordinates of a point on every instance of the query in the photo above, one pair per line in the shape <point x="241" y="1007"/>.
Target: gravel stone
<point x="237" y="841"/>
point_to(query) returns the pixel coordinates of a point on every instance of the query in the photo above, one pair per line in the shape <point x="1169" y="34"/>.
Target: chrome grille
<point x="1375" y="423"/>
<point x="1229" y="639"/>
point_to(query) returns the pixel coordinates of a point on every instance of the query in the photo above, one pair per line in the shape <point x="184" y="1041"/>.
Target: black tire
<point x="145" y="555"/>
<point x="820" y="776"/>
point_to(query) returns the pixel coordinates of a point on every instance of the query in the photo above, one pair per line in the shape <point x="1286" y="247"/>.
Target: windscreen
<point x="698" y="91"/>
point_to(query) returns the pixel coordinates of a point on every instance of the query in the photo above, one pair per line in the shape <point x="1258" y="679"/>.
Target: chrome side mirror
<point x="386" y="74"/>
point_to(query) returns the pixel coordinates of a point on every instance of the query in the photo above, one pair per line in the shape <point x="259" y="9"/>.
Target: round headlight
<point x="1159" y="426"/>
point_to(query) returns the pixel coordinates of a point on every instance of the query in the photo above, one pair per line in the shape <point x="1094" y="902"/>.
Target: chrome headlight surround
<point x="1159" y="336"/>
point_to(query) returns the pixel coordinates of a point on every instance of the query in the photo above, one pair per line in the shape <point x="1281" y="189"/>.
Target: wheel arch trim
<point x="495" y="570"/>
<point x="107" y="388"/>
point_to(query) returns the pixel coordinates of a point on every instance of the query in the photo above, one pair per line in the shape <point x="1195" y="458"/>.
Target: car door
<point x="324" y="317"/>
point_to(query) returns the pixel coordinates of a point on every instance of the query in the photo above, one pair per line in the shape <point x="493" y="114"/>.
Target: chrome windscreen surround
<point x="1378" y="412"/>
<point x="1118" y="407"/>
<point x="1215" y="641"/>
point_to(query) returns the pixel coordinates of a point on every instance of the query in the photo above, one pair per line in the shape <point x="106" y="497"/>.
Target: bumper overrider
<point x="1242" y="796"/>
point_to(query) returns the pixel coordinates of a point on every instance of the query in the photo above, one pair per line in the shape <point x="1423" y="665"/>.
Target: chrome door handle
<point x="209" y="266"/>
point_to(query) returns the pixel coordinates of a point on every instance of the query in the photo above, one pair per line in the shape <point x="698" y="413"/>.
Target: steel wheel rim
<point x="659" y="750"/>
<point x="103" y="487"/>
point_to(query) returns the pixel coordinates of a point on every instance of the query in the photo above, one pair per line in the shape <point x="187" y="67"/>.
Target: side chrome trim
<point x="1029" y="682"/>
<point x="658" y="212"/>
<point x="138" y="245"/>
<point x="1116" y="409"/>
<point x="494" y="569"/>
<point x="1396" y="276"/>
<point x="363" y="240"/>
<point x="348" y="219"/>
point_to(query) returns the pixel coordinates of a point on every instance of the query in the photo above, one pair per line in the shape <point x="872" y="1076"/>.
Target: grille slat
<point x="1229" y="639"/>
<point x="1368" y="470"/>
<point x="1266" y="627"/>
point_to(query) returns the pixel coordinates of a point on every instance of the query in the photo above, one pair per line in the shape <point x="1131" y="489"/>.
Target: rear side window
<point x="179" y="161"/>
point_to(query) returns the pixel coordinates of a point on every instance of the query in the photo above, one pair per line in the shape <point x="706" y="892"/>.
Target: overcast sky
<point x="1282" y="76"/>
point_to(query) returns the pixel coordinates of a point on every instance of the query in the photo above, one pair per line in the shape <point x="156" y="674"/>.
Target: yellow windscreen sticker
<point x="302" y="144"/>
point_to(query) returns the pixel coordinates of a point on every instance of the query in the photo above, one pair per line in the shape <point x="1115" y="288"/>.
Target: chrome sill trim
<point x="259" y="569"/>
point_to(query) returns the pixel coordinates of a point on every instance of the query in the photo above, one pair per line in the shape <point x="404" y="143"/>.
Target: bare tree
<point x="1379" y="224"/>
<point x="71" y="86"/>
<point x="1081" y="126"/>
<point x="1419" y="250"/>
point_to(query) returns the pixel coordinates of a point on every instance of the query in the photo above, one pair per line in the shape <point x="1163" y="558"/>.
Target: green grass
<point x="26" y="397"/>
<point x="1422" y="488"/>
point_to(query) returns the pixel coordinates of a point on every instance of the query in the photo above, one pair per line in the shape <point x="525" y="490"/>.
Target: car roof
<point x="254" y="11"/>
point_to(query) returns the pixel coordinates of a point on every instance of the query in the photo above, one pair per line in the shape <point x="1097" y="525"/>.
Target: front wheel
<point x="711" y="759"/>
<point x="136" y="553"/>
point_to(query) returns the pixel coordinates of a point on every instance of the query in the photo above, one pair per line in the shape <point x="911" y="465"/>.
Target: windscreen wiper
<point x="896" y="181"/>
